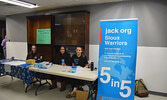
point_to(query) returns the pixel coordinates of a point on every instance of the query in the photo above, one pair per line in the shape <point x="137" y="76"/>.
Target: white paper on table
<point x="79" y="68"/>
<point x="15" y="63"/>
<point x="7" y="68"/>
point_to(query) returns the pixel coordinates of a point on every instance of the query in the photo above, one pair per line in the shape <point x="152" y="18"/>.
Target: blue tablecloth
<point x="22" y="72"/>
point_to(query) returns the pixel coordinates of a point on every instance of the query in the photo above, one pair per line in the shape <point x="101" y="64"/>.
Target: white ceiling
<point x="8" y="9"/>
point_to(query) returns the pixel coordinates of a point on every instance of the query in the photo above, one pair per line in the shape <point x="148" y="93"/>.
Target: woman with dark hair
<point x="33" y="54"/>
<point x="63" y="58"/>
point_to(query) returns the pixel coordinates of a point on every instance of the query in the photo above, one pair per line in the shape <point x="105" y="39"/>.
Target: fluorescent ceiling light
<point x="21" y="3"/>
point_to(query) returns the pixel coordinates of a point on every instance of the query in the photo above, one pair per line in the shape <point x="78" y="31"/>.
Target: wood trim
<point x="68" y="12"/>
<point x="87" y="35"/>
<point x="53" y="37"/>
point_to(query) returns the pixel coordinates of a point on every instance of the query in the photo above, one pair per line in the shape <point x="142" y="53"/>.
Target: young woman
<point x="78" y="59"/>
<point x="33" y="54"/>
<point x="63" y="58"/>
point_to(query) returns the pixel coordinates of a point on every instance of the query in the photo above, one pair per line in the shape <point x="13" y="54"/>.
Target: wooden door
<point x="77" y="29"/>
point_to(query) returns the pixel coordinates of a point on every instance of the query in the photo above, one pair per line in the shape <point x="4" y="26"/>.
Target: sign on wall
<point x="43" y="36"/>
<point x="117" y="59"/>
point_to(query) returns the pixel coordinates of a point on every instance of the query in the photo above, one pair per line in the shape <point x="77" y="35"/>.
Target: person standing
<point x="3" y="44"/>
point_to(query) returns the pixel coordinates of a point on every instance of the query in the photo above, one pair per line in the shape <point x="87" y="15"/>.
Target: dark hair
<point x="31" y="52"/>
<point x="64" y="49"/>
<point x="83" y="51"/>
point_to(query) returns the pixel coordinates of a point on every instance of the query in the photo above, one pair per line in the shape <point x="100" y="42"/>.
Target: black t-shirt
<point x="79" y="61"/>
<point x="65" y="56"/>
<point x="35" y="56"/>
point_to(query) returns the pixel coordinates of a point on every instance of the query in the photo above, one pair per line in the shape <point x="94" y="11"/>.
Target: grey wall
<point x="16" y="27"/>
<point x="151" y="15"/>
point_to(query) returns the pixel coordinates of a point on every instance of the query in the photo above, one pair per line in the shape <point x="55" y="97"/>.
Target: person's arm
<point x="72" y="60"/>
<point x="86" y="66"/>
<point x="38" y="56"/>
<point x="27" y="57"/>
<point x="56" y="59"/>
<point x="86" y="62"/>
<point x="68" y="60"/>
<point x="3" y="42"/>
<point x="38" y="59"/>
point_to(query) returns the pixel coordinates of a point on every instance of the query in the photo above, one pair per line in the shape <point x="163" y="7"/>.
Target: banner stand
<point x="117" y="59"/>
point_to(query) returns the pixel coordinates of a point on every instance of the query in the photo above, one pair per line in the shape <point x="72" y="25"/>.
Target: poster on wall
<point x="43" y="36"/>
<point x="117" y="59"/>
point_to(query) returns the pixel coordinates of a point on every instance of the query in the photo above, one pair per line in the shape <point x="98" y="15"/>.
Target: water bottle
<point x="74" y="69"/>
<point x="92" y="66"/>
<point x="62" y="61"/>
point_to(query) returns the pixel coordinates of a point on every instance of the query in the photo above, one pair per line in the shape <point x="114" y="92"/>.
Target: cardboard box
<point x="30" y="61"/>
<point x="81" y="95"/>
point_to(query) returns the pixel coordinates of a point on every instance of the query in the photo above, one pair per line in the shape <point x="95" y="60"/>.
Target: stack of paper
<point x="15" y="63"/>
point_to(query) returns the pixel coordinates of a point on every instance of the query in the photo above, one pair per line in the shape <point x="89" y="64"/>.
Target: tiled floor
<point x="14" y="90"/>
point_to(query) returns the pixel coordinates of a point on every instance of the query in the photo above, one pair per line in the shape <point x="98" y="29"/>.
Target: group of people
<point x="78" y="59"/>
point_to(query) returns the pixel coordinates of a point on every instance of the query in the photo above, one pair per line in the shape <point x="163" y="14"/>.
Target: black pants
<point x="76" y="83"/>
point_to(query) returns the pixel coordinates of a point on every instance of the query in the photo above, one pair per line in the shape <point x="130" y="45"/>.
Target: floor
<point x="14" y="90"/>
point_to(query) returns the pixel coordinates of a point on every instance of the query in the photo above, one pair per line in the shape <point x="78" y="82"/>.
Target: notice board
<point x="43" y="36"/>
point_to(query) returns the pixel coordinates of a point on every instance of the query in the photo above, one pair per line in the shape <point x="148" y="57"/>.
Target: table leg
<point x="1" y="75"/>
<point x="42" y="85"/>
<point x="26" y="89"/>
<point x="92" y="87"/>
<point x="95" y="94"/>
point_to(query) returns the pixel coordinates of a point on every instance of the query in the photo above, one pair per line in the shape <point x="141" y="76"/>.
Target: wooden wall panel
<point x="34" y="23"/>
<point x="45" y="51"/>
<point x="87" y="34"/>
<point x="78" y="29"/>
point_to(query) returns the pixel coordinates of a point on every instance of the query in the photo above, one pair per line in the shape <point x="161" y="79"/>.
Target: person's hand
<point x="64" y="64"/>
<point x="35" y="57"/>
<point x="86" y="67"/>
